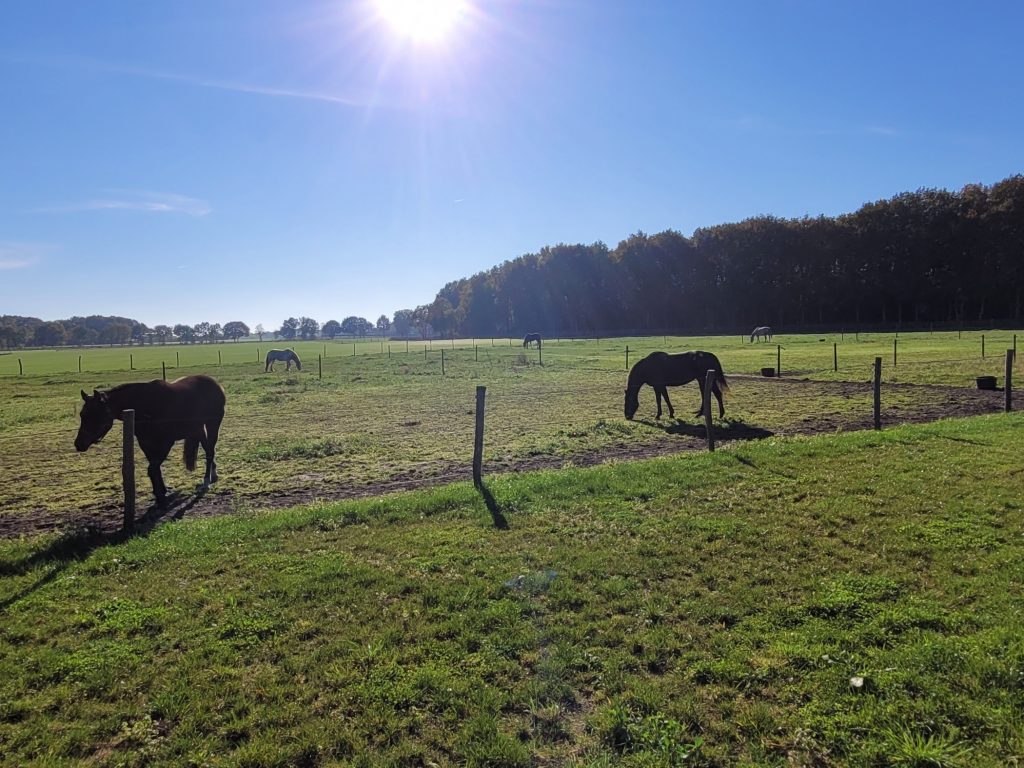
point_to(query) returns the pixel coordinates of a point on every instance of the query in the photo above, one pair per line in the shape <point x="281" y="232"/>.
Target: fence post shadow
<point x="500" y="522"/>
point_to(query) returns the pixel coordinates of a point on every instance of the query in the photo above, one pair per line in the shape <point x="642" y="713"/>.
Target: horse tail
<point x="723" y="383"/>
<point x="191" y="452"/>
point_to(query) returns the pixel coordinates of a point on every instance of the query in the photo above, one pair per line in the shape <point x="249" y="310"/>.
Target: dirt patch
<point x="904" y="404"/>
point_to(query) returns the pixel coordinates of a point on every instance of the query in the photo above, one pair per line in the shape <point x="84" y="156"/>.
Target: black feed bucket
<point x="768" y="372"/>
<point x="986" y="382"/>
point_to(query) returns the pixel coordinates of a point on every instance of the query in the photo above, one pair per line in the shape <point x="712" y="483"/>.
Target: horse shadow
<point x="77" y="544"/>
<point x="723" y="429"/>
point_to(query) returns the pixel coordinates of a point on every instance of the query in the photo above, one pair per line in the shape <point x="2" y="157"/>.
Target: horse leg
<point x="155" y="455"/>
<point x="209" y="443"/>
<point x="671" y="411"/>
<point x="700" y="384"/>
<point x="718" y="395"/>
<point x="657" y="397"/>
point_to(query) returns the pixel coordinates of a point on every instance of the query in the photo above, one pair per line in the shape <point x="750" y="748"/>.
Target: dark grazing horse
<point x="530" y="338"/>
<point x="282" y="355"/>
<point x="190" y="409"/>
<point x="661" y="370"/>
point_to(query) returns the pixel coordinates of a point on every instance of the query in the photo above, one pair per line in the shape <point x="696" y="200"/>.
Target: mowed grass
<point x="375" y="421"/>
<point x="839" y="600"/>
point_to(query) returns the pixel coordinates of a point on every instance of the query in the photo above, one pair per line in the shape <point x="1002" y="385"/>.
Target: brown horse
<point x="190" y="409"/>
<point x="661" y="370"/>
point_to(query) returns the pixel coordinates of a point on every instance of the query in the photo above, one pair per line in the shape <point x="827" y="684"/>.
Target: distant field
<point x="375" y="422"/>
<point x="850" y="600"/>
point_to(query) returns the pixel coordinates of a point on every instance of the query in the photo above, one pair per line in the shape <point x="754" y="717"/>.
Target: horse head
<point x="97" y="419"/>
<point x="631" y="403"/>
<point x="295" y="359"/>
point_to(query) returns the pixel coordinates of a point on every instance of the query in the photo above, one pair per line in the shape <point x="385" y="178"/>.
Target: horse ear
<point x="101" y="396"/>
<point x="85" y="397"/>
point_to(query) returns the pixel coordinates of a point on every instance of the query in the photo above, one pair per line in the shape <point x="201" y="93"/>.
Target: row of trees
<point x="16" y="331"/>
<point x="929" y="255"/>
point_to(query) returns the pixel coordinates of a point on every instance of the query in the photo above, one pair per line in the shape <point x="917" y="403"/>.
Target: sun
<point x="428" y="21"/>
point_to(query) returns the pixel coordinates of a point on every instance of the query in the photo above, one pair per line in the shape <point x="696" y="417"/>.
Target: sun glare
<point x="427" y="21"/>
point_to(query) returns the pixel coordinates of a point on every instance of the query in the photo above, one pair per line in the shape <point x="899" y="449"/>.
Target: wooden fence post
<point x="778" y="361"/>
<point x="21" y="368"/>
<point x="478" y="437"/>
<point x="131" y="361"/>
<point x="163" y="369"/>
<point x="128" y="468"/>
<point x="353" y="349"/>
<point x="983" y="346"/>
<point x="80" y="359"/>
<point x="476" y="354"/>
<point x="257" y="354"/>
<point x="835" y="356"/>
<point x="177" y="359"/>
<point x="540" y="353"/>
<point x="219" y="360"/>
<point x="878" y="393"/>
<point x="442" y="361"/>
<point x="389" y="350"/>
<point x="320" y="367"/>
<point x="894" y="353"/>
<point x="709" y="383"/>
<point x="627" y="357"/>
<point x="1008" y="383"/>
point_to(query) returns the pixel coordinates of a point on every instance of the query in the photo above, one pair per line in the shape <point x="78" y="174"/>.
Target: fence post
<point x="983" y="346"/>
<point x="894" y="353"/>
<point x="177" y="359"/>
<point x="163" y="369"/>
<point x="878" y="393"/>
<point x="219" y="361"/>
<point x="476" y="354"/>
<point x="320" y="367"/>
<point x="835" y="356"/>
<point x="80" y="357"/>
<point x="389" y="350"/>
<point x="627" y="357"/>
<point x="128" y="468"/>
<point x="131" y="361"/>
<point x="21" y="368"/>
<point x="540" y="353"/>
<point x="778" y="361"/>
<point x="478" y="437"/>
<point x="257" y="354"/>
<point x="1008" y="388"/>
<point x="353" y="349"/>
<point x="442" y="361"/>
<point x="709" y="383"/>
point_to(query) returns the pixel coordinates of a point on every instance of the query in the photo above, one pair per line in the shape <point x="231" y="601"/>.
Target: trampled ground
<point x="376" y="423"/>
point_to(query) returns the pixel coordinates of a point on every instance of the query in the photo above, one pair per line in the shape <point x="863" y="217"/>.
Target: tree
<point x="185" y="333"/>
<point x="49" y="335"/>
<point x="162" y="333"/>
<point x="330" y="329"/>
<point x="82" y="335"/>
<point x="116" y="333"/>
<point x="260" y="330"/>
<point x="202" y="331"/>
<point x="308" y="328"/>
<point x="11" y="336"/>
<point x="214" y="333"/>
<point x="139" y="331"/>
<point x="235" y="330"/>
<point x="403" y="322"/>
<point x="289" y="328"/>
<point x="356" y="326"/>
<point x="383" y="324"/>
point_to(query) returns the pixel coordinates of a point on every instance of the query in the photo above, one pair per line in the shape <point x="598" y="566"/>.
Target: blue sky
<point x="203" y="160"/>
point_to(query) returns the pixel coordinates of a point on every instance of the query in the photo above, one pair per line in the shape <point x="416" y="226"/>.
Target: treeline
<point x="925" y="256"/>
<point x="17" y="331"/>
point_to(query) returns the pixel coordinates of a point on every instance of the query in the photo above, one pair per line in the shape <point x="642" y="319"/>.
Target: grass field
<point x="376" y="422"/>
<point x="846" y="600"/>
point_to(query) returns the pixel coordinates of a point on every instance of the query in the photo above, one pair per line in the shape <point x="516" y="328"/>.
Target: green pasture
<point x="373" y="422"/>
<point x="926" y="358"/>
<point x="847" y="600"/>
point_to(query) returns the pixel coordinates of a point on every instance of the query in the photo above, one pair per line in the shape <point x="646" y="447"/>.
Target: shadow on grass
<point x="724" y="429"/>
<point x="493" y="507"/>
<point x="78" y="544"/>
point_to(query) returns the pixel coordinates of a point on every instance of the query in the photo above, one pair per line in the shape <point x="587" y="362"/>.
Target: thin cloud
<point x="15" y="255"/>
<point x="259" y="89"/>
<point x="134" y="200"/>
<point x="882" y="130"/>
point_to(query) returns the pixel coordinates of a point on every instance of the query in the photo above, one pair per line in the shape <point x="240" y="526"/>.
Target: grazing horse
<point x="190" y="409"/>
<point x="762" y="331"/>
<point x="660" y="370"/>
<point x="282" y="355"/>
<point x="530" y="338"/>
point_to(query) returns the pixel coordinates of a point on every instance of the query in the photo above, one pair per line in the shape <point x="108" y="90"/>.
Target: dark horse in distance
<point x="661" y="370"/>
<point x="190" y="409"/>
<point x="531" y="338"/>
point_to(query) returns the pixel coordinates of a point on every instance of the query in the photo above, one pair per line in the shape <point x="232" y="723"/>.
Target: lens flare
<point x="428" y="21"/>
